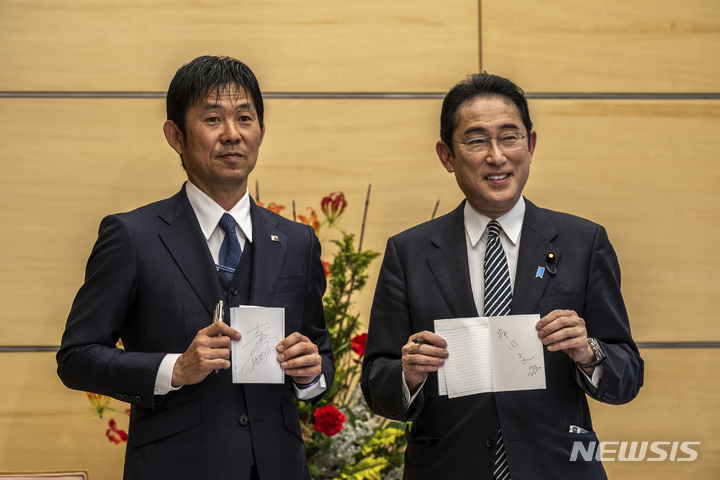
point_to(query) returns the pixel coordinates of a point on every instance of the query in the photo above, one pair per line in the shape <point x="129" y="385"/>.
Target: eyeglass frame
<point x="497" y="140"/>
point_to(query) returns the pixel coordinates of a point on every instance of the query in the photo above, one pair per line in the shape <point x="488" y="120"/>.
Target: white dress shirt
<point x="476" y="237"/>
<point x="208" y="213"/>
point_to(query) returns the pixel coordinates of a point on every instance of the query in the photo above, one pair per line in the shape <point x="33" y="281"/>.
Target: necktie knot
<point x="227" y="223"/>
<point x="494" y="228"/>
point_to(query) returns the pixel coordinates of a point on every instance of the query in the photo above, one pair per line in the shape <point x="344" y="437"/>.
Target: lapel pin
<point x="549" y="260"/>
<point x="274" y="238"/>
<point x="540" y="272"/>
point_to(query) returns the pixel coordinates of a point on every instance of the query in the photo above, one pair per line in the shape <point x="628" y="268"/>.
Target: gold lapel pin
<point x="274" y="238"/>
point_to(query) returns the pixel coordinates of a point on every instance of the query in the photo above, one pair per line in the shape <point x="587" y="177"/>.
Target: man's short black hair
<point x="483" y="85"/>
<point x="195" y="80"/>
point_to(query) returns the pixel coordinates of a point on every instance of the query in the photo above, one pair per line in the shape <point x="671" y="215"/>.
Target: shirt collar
<point x="511" y="222"/>
<point x="209" y="213"/>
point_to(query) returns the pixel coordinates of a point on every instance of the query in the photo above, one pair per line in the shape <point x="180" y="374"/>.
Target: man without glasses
<point x="154" y="279"/>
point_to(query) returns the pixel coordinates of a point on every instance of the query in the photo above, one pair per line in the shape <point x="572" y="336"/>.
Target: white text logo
<point x="634" y="451"/>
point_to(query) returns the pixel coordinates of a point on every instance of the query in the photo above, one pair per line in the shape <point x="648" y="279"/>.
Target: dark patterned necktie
<point x="498" y="294"/>
<point x="230" y="251"/>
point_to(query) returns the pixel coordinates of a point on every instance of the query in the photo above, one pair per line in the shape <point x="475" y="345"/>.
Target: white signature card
<point x="491" y="354"/>
<point x="254" y="356"/>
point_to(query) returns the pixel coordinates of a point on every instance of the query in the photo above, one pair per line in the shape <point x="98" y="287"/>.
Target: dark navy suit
<point x="425" y="276"/>
<point x="151" y="280"/>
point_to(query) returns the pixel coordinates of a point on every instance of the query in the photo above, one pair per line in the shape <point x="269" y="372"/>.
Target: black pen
<point x="421" y="341"/>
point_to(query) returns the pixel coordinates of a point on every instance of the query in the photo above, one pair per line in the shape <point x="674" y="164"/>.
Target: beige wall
<point x="645" y="169"/>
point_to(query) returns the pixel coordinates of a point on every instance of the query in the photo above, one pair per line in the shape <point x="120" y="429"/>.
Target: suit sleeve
<point x="389" y="329"/>
<point x="606" y="319"/>
<point x="88" y="359"/>
<point x="314" y="313"/>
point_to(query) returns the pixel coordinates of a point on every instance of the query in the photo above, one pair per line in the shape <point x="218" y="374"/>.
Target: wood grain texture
<point x="98" y="157"/>
<point x="45" y="426"/>
<point x="648" y="172"/>
<point x="678" y="403"/>
<point x="604" y="46"/>
<point x="644" y="170"/>
<point x="292" y="46"/>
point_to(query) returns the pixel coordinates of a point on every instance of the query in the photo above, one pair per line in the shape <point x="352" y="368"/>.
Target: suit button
<point x="118" y="396"/>
<point x="243" y="419"/>
<point x="233" y="290"/>
<point x="138" y="400"/>
<point x="490" y="442"/>
<point x="125" y="398"/>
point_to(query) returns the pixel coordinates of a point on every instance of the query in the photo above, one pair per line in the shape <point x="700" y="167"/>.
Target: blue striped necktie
<point x="498" y="294"/>
<point x="230" y="251"/>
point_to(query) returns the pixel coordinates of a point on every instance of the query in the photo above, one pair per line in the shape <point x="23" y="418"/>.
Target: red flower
<point x="358" y="344"/>
<point x="333" y="206"/>
<point x="326" y="266"/>
<point x="329" y="420"/>
<point x="115" y="434"/>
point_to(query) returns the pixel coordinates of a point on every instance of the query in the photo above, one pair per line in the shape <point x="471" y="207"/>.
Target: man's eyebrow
<point x="481" y="129"/>
<point x="239" y="106"/>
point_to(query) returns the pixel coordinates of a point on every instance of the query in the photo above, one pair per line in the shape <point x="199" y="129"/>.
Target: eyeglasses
<point x="506" y="142"/>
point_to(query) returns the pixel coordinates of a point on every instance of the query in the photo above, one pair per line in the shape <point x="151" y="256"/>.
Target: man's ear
<point x="532" y="143"/>
<point x="445" y="155"/>
<point x="174" y="136"/>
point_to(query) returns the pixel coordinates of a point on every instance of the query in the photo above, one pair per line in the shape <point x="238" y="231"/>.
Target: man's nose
<point x="231" y="133"/>
<point x="495" y="155"/>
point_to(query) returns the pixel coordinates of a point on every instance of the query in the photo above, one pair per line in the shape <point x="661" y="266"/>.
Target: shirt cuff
<point x="407" y="398"/>
<point x="592" y="383"/>
<point x="163" y="381"/>
<point x="312" y="390"/>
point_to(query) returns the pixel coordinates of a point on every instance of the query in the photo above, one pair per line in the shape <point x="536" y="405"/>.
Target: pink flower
<point x="333" y="206"/>
<point x="115" y="434"/>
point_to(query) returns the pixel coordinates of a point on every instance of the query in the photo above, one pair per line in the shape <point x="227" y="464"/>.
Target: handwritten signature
<point x="262" y="348"/>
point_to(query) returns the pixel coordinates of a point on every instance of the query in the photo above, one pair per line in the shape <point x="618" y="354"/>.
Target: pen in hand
<point x="218" y="317"/>
<point x="422" y="341"/>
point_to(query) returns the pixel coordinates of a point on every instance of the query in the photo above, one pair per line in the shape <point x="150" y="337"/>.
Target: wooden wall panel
<point x="74" y="161"/>
<point x="295" y="46"/>
<point x="648" y="172"/>
<point x="45" y="426"/>
<point x="604" y="46"/>
<point x="678" y="403"/>
<point x="639" y="168"/>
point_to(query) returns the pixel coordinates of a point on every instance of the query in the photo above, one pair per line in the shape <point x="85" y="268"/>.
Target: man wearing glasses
<point x="498" y="254"/>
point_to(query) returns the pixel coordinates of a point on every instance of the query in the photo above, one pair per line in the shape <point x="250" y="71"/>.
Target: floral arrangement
<point x="343" y="438"/>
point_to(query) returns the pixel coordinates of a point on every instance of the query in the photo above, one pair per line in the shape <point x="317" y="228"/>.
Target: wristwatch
<point x="599" y="354"/>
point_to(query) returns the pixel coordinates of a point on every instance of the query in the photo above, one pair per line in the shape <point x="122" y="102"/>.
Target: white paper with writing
<point x="494" y="354"/>
<point x="254" y="356"/>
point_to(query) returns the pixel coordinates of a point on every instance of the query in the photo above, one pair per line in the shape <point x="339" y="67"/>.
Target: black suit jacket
<point x="425" y="276"/>
<point x="152" y="281"/>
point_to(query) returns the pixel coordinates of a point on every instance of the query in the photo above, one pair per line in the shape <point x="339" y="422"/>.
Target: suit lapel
<point x="535" y="244"/>
<point x="186" y="243"/>
<point x="269" y="248"/>
<point x="449" y="265"/>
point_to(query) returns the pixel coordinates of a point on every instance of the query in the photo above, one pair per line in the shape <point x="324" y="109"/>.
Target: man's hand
<point x="299" y="358"/>
<point x="418" y="359"/>
<point x="564" y="330"/>
<point x="209" y="351"/>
